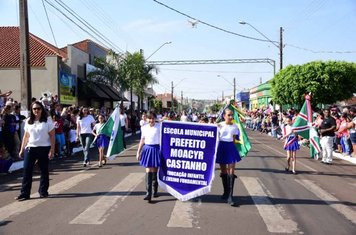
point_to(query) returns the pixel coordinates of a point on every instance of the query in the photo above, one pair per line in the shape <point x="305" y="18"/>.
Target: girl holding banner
<point x="291" y="144"/>
<point x="148" y="154"/>
<point x="227" y="155"/>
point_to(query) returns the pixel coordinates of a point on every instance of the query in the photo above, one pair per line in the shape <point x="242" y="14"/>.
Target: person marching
<point x="148" y="154"/>
<point x="38" y="143"/>
<point x="291" y="144"/>
<point x="227" y="155"/>
<point x="102" y="141"/>
<point x="85" y="122"/>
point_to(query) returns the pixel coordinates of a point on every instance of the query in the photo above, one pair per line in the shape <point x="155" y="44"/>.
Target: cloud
<point x="151" y="26"/>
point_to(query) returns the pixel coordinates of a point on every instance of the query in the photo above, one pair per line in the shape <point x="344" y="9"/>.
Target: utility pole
<point x="222" y="96"/>
<point x="280" y="48"/>
<point x="181" y="101"/>
<point x="25" y="65"/>
<point x="172" y="97"/>
<point x="234" y="88"/>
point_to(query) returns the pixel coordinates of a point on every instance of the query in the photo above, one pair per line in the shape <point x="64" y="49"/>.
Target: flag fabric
<point x="112" y="128"/>
<point x="243" y="145"/>
<point x="303" y="126"/>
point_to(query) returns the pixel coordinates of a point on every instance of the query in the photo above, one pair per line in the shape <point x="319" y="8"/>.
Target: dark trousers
<point x="31" y="155"/>
<point x="123" y="135"/>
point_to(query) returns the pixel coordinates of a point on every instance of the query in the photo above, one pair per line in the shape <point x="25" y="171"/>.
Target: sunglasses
<point x="36" y="108"/>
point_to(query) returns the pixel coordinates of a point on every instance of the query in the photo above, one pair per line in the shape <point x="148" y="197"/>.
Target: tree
<point x="108" y="71"/>
<point x="216" y="107"/>
<point x="137" y="73"/>
<point x="328" y="82"/>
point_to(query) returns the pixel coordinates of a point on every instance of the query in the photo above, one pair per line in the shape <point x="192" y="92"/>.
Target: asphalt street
<point x="320" y="199"/>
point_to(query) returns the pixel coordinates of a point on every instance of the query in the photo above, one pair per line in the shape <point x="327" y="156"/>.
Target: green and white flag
<point x="112" y="128"/>
<point x="303" y="126"/>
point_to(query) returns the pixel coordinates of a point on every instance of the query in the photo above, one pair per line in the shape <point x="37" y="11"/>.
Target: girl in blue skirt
<point x="148" y="154"/>
<point x="102" y="141"/>
<point x="227" y="155"/>
<point x="291" y="144"/>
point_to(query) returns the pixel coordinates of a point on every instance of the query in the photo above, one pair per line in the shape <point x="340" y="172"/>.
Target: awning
<point x="110" y="91"/>
<point x="86" y="90"/>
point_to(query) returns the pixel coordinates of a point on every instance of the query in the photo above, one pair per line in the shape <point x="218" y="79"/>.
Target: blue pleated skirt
<point x="227" y="153"/>
<point x="150" y="156"/>
<point x="294" y="146"/>
<point x="102" y="141"/>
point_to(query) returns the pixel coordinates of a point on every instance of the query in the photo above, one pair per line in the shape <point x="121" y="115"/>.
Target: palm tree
<point x="138" y="75"/>
<point x="108" y="71"/>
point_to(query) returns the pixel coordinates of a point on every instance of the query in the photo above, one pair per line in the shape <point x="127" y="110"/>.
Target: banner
<point x="67" y="88"/>
<point x="188" y="158"/>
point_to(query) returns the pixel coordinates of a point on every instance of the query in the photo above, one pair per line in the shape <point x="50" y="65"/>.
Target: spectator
<point x="37" y="145"/>
<point x="327" y="132"/>
<point x="9" y="130"/>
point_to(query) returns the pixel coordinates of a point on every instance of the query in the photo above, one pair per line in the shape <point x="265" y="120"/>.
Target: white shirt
<point x="123" y="118"/>
<point x="39" y="133"/>
<point x="152" y="135"/>
<point x="353" y="130"/>
<point x="85" y="124"/>
<point x="184" y="118"/>
<point x="227" y="132"/>
<point x="142" y="123"/>
<point x="97" y="127"/>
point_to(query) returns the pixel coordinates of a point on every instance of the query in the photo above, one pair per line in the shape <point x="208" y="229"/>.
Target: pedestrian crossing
<point x="275" y="217"/>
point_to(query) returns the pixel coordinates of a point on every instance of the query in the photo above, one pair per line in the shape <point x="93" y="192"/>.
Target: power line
<point x="49" y="23"/>
<point x="66" y="16"/>
<point x="320" y="4"/>
<point x="210" y="25"/>
<point x="320" y="52"/>
<point x="88" y="25"/>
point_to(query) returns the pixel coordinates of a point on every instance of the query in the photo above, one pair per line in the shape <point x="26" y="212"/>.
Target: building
<point x="55" y="71"/>
<point x="243" y="99"/>
<point x="260" y="96"/>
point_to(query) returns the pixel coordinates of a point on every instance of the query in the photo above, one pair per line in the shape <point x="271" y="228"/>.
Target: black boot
<point x="225" y="185"/>
<point x="155" y="184"/>
<point x="148" y="186"/>
<point x="231" y="182"/>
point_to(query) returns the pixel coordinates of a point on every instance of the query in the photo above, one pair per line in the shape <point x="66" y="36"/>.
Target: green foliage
<point x="328" y="82"/>
<point x="216" y="107"/>
<point x="156" y="105"/>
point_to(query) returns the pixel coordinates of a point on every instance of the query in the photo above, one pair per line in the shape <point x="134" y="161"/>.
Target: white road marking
<point x="271" y="214"/>
<point x="98" y="212"/>
<point x="283" y="153"/>
<point x="182" y="215"/>
<point x="348" y="212"/>
<point x="16" y="208"/>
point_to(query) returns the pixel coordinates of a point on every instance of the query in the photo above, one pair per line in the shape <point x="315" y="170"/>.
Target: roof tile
<point x="10" y="49"/>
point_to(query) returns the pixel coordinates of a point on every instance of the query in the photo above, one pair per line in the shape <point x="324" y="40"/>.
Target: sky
<point x="312" y="30"/>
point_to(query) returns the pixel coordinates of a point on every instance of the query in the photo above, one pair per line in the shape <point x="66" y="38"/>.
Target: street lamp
<point x="158" y="49"/>
<point x="234" y="85"/>
<point x="275" y="43"/>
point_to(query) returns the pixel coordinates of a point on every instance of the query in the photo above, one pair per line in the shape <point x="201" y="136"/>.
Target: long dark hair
<point x="81" y="112"/>
<point x="43" y="117"/>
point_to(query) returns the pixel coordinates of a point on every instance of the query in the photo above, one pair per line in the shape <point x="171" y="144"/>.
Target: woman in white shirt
<point x="148" y="154"/>
<point x="124" y="124"/>
<point x="38" y="144"/>
<point x="85" y="124"/>
<point x="227" y="154"/>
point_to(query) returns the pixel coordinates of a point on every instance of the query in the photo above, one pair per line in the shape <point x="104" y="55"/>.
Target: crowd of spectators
<point x="271" y="122"/>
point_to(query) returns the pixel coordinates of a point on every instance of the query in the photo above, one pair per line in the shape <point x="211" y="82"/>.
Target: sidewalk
<point x="346" y="158"/>
<point x="19" y="164"/>
<point x="337" y="155"/>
